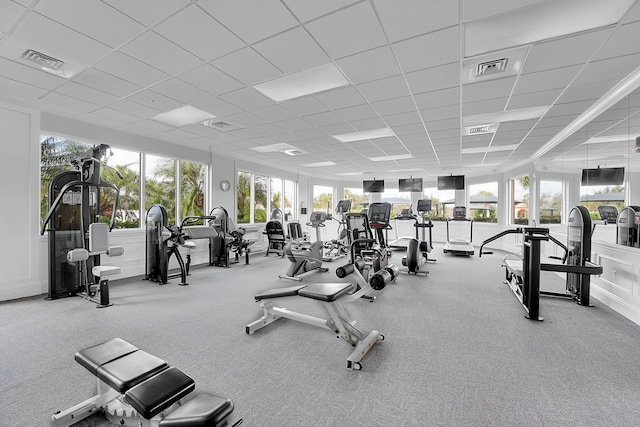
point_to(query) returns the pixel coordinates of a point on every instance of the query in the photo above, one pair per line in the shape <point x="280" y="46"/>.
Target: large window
<point x="192" y="183"/>
<point x="483" y="202"/>
<point x="259" y="195"/>
<point x="160" y="184"/>
<point x="519" y="199"/>
<point x="244" y="197"/>
<point x="289" y="200"/>
<point x="551" y="197"/>
<point x="359" y="200"/>
<point x="260" y="205"/>
<point x="399" y="201"/>
<point x="442" y="202"/>
<point x="323" y="199"/>
<point x="597" y="195"/>
<point x="275" y="191"/>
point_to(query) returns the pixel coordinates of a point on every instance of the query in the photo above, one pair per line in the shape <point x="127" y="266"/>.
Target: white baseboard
<point x="616" y="303"/>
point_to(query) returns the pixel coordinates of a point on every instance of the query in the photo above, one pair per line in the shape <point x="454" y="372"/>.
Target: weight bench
<point x="514" y="270"/>
<point x="330" y="295"/>
<point x="136" y="388"/>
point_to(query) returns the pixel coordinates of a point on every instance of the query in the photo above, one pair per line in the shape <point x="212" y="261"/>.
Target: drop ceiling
<point x="409" y="66"/>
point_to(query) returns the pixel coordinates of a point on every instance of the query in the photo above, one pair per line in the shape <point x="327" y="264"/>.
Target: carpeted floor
<point x="458" y="351"/>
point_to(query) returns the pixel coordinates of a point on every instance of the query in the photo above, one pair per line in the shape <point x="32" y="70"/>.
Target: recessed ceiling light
<point x="489" y="149"/>
<point x="313" y="80"/>
<point x="505" y="116"/>
<point x="183" y="116"/>
<point x="365" y="134"/>
<point x="388" y="158"/>
<point x="612" y="138"/>
<point x="318" y="164"/>
<point x="281" y="146"/>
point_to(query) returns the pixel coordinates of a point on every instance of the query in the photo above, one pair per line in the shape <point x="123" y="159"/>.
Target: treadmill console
<point x="459" y="212"/>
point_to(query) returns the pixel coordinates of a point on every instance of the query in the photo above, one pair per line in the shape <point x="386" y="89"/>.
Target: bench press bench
<point x="135" y="388"/>
<point x="339" y="322"/>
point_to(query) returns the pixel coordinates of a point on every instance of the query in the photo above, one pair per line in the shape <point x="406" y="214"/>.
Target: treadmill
<point x="459" y="246"/>
<point x="402" y="242"/>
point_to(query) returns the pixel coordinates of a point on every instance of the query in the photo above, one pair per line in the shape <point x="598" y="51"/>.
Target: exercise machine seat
<point x="203" y="410"/>
<point x="327" y="292"/>
<point x="515" y="266"/>
<point x="125" y="372"/>
<point x="157" y="393"/>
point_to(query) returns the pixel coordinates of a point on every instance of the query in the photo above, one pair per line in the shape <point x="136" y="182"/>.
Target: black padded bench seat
<point x="514" y="266"/>
<point x="148" y="384"/>
<point x="325" y="291"/>
<point x="279" y="292"/>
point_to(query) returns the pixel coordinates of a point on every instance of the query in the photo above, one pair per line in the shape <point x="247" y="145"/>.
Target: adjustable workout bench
<point x="138" y="389"/>
<point x="339" y="322"/>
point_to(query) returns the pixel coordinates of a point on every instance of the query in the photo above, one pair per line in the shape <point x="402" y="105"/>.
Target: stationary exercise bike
<point x="308" y="258"/>
<point x="418" y="250"/>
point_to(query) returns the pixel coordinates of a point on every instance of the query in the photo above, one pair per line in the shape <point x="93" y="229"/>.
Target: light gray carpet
<point x="458" y="351"/>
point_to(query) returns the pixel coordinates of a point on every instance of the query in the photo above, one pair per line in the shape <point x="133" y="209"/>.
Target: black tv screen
<point x="410" y="184"/>
<point x="603" y="176"/>
<point x="451" y="182"/>
<point x="373" y="186"/>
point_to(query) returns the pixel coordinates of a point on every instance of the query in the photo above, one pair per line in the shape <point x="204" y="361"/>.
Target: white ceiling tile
<point x="591" y="91"/>
<point x="621" y="43"/>
<point x="16" y="71"/>
<point x="304" y="106"/>
<point x="130" y="69"/>
<point x="324" y="119"/>
<point x="484" y="106"/>
<point x="533" y="99"/>
<point x="340" y="98"/>
<point x="134" y="108"/>
<point x="358" y="112"/>
<point x="160" y="53"/>
<point x="368" y="124"/>
<point x="443" y="124"/>
<point x="10" y="13"/>
<point x="337" y="129"/>
<point x="251" y="20"/>
<point x="548" y="79"/>
<point x="181" y="91"/>
<point x="371" y="65"/>
<point x="14" y="87"/>
<point x="116" y="115"/>
<point x="199" y="33"/>
<point x="488" y="89"/>
<point x="273" y="113"/>
<point x="438" y="48"/>
<point x="387" y="88"/>
<point x="608" y="69"/>
<point x="268" y="129"/>
<point x="307" y="134"/>
<point x="149" y="124"/>
<point x="438" y="98"/>
<point x="394" y="106"/>
<point x="305" y="10"/>
<point x="217" y="107"/>
<point x="247" y="98"/>
<point x="435" y="78"/>
<point x="563" y="52"/>
<point x="69" y="102"/>
<point x="247" y="66"/>
<point x="86" y="93"/>
<point x="440" y="113"/>
<point x="245" y="119"/>
<point x="411" y="117"/>
<point x="210" y="79"/>
<point x="292" y="51"/>
<point x="473" y="9"/>
<point x="98" y="79"/>
<point x="295" y="124"/>
<point x="148" y="12"/>
<point x="410" y="17"/>
<point x="155" y="100"/>
<point x="54" y="39"/>
<point x="92" y="18"/>
<point x="354" y="29"/>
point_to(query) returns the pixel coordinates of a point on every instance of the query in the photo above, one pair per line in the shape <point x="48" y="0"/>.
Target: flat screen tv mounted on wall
<point x="451" y="182"/>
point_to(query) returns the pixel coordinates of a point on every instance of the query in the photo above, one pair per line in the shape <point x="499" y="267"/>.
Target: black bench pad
<point x="203" y="410"/>
<point x="157" y="393"/>
<point x="130" y="370"/>
<point x="280" y="292"/>
<point x="94" y="357"/>
<point x="326" y="291"/>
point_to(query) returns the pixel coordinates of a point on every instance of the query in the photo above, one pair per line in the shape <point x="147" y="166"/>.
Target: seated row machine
<point x="135" y="388"/>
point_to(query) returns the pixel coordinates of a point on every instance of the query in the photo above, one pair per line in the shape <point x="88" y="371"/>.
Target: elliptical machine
<point x="309" y="258"/>
<point x="339" y="247"/>
<point x="418" y="250"/>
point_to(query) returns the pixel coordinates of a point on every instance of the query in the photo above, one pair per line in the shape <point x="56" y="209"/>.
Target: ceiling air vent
<point x="221" y="125"/>
<point x="491" y="67"/>
<point x="293" y="152"/>
<point x="42" y="59"/>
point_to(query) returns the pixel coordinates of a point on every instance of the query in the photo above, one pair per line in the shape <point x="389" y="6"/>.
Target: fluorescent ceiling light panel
<point x="318" y="164"/>
<point x="541" y="21"/>
<point x="405" y="170"/>
<point x="183" y="116"/>
<point x="611" y="138"/>
<point x="281" y="146"/>
<point x="365" y="134"/>
<point x="389" y="158"/>
<point x="349" y="173"/>
<point x="505" y="116"/>
<point x="490" y="149"/>
<point x="313" y="80"/>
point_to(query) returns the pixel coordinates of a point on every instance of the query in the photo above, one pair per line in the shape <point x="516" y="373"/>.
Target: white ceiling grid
<point x="403" y="60"/>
